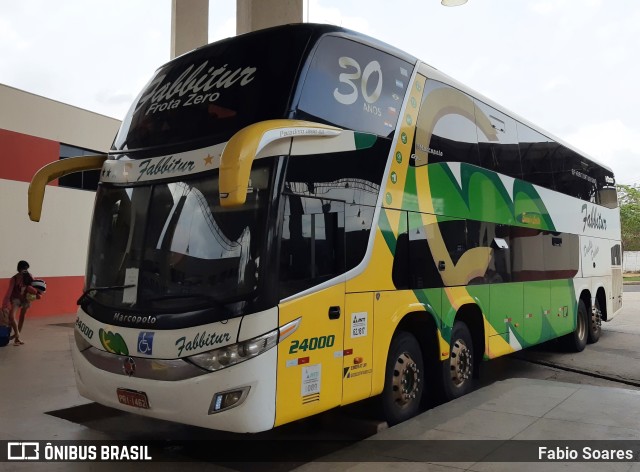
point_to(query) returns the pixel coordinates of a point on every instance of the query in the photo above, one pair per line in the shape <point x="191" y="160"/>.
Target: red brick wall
<point x="60" y="297"/>
<point x="22" y="155"/>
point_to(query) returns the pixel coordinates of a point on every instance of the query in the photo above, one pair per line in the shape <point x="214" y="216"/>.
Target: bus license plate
<point x="133" y="398"/>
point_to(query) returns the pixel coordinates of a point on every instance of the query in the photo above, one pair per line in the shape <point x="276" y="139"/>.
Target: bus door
<point x="311" y="262"/>
<point x="358" y="347"/>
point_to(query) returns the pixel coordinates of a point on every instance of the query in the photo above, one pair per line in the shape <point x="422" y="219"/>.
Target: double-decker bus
<point x="302" y="217"/>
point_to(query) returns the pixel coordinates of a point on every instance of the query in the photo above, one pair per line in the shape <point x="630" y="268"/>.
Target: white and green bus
<point x="302" y="217"/>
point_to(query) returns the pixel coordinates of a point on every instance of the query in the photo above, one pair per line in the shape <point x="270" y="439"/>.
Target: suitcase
<point x="5" y="332"/>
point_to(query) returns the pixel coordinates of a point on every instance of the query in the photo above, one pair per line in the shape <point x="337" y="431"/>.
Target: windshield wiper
<point x="88" y="291"/>
<point x="217" y="303"/>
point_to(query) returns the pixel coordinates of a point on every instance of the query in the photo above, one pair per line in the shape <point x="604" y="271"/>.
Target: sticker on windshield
<point x="130" y="294"/>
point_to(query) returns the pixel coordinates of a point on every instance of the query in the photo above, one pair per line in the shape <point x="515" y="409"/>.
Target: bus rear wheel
<point x="457" y="370"/>
<point x="577" y="341"/>
<point x="595" y="323"/>
<point x="404" y="379"/>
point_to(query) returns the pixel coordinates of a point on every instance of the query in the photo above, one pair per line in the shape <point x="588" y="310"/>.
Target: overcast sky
<point x="570" y="66"/>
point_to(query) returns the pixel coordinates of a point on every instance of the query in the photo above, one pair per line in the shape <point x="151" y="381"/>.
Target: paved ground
<point x="515" y="409"/>
<point x="595" y="406"/>
<point x="585" y="400"/>
<point x="616" y="356"/>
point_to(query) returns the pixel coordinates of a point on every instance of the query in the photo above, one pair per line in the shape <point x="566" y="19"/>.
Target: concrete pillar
<point x="252" y="15"/>
<point x="189" y="25"/>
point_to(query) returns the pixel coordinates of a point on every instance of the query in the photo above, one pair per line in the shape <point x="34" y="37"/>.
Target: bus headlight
<point x="235" y="353"/>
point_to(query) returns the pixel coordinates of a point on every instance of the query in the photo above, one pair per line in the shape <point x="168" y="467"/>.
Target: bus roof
<point x="315" y="31"/>
<point x="433" y="73"/>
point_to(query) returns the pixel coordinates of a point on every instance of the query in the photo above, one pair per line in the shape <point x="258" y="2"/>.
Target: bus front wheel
<point x="404" y="379"/>
<point x="457" y="370"/>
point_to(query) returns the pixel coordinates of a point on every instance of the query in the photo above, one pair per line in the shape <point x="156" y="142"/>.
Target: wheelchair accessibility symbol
<point x="145" y="343"/>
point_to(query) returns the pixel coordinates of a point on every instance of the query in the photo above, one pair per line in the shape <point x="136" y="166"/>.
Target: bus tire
<point x="404" y="379"/>
<point x="595" y="323"/>
<point x="457" y="370"/>
<point x="576" y="341"/>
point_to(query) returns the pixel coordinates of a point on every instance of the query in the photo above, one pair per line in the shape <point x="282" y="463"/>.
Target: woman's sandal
<point x="18" y="343"/>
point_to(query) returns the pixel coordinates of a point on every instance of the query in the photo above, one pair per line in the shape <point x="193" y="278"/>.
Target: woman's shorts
<point x="21" y="303"/>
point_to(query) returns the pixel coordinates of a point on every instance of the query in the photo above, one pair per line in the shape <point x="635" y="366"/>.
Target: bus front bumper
<point x="192" y="400"/>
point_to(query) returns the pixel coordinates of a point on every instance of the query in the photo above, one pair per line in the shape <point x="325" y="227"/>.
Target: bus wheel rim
<point x="406" y="380"/>
<point x="460" y="362"/>
<point x="596" y="319"/>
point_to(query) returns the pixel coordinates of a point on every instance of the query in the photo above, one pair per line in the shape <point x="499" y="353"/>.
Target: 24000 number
<point x="311" y="344"/>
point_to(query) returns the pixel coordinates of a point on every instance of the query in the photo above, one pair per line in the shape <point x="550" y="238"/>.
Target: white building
<point x="33" y="132"/>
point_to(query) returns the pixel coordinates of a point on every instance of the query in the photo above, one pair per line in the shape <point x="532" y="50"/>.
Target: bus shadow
<point x="281" y="449"/>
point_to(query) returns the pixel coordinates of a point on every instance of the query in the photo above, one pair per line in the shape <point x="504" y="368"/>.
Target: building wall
<point x="631" y="261"/>
<point x="31" y="131"/>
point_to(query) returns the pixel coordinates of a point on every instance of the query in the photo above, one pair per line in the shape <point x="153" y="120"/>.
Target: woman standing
<point x="16" y="298"/>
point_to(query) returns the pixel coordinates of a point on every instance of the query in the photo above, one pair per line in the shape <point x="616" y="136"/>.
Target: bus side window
<point x="423" y="269"/>
<point x="350" y="179"/>
<point x="537" y="152"/>
<point x="616" y="255"/>
<point x="454" y="234"/>
<point x="497" y="141"/>
<point x="573" y="175"/>
<point x="500" y="268"/>
<point x="413" y="263"/>
<point x="400" y="271"/>
<point x="452" y="136"/>
<point x="358" y="221"/>
<point x="312" y="243"/>
<point x="606" y="188"/>
<point x="608" y="197"/>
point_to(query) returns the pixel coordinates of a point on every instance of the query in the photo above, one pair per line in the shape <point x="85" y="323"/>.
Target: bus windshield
<point x="176" y="245"/>
<point x="208" y="95"/>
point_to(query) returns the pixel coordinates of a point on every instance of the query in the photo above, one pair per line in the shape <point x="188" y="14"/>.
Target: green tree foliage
<point x="629" y="201"/>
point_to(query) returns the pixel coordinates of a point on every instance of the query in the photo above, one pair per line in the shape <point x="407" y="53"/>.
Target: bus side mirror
<point x="55" y="170"/>
<point x="243" y="147"/>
